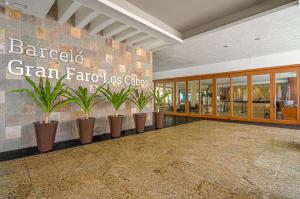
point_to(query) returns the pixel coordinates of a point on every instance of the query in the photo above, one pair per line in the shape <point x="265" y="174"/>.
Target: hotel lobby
<point x="150" y="99"/>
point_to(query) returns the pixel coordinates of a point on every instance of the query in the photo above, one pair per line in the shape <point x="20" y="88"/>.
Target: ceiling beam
<point x="159" y="47"/>
<point x="127" y="9"/>
<point x="84" y="16"/>
<point x="105" y="8"/>
<point x="99" y="24"/>
<point x="65" y="9"/>
<point x="144" y="42"/>
<point x="114" y="29"/>
<point x="154" y="44"/>
<point x="125" y="34"/>
<point x="136" y="38"/>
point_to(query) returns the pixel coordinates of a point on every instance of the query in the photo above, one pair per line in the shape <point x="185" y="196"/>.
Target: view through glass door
<point x="286" y="96"/>
<point x="261" y="95"/>
<point x="240" y="96"/>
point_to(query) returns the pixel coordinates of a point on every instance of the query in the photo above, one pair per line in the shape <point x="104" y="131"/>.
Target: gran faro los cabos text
<point x="18" y="68"/>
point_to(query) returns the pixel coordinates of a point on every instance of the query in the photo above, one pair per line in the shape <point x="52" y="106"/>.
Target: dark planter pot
<point x="45" y="135"/>
<point x="85" y="129"/>
<point x="139" y="121"/>
<point x="158" y="120"/>
<point x="115" y="124"/>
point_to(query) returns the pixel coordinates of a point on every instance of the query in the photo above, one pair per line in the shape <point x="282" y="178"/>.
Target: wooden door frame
<point x="220" y="76"/>
<point x="232" y="117"/>
<point x="199" y="102"/>
<point x="173" y="95"/>
<point x="213" y="96"/>
<point x="249" y="73"/>
<point x="284" y="70"/>
<point x="271" y="95"/>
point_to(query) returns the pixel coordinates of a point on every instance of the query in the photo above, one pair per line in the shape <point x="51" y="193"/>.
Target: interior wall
<point x="279" y="59"/>
<point x="17" y="111"/>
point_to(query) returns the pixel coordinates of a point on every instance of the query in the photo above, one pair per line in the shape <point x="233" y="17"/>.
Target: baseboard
<point x="25" y="152"/>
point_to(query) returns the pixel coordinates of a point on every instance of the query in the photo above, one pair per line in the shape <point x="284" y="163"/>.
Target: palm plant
<point x="140" y="99"/>
<point x="83" y="99"/>
<point x="44" y="96"/>
<point x="116" y="98"/>
<point x="159" y="98"/>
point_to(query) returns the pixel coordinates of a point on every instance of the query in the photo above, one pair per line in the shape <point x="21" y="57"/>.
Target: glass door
<point x="180" y="97"/>
<point x="206" y="97"/>
<point x="193" y="96"/>
<point x="223" y="96"/>
<point x="286" y="96"/>
<point x="169" y="87"/>
<point x="159" y="88"/>
<point x="261" y="95"/>
<point x="240" y="97"/>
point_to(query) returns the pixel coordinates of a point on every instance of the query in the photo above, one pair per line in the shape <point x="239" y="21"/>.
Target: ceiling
<point x="185" y="15"/>
<point x="269" y="34"/>
<point x="148" y="24"/>
<point x="193" y="17"/>
<point x="116" y="19"/>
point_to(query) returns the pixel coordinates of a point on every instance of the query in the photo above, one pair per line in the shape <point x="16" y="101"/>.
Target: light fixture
<point x="225" y="46"/>
<point x="257" y="39"/>
<point x="15" y="4"/>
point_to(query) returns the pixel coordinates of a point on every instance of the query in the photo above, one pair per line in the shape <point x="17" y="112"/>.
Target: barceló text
<point x="18" y="68"/>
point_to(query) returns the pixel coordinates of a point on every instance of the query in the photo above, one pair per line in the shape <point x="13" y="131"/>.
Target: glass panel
<point x="286" y="96"/>
<point x="160" y="88"/>
<point x="169" y="87"/>
<point x="194" y="96"/>
<point x="206" y="95"/>
<point x="261" y="96"/>
<point x="223" y="96"/>
<point x="180" y="96"/>
<point x="240" y="96"/>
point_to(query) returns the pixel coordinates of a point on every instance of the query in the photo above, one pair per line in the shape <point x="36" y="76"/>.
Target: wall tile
<point x="12" y="132"/>
<point x="17" y="111"/>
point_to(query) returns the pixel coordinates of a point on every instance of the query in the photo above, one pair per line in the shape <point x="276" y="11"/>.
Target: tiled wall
<point x="17" y="111"/>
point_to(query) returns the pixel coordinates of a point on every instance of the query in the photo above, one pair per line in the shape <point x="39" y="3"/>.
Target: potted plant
<point x="86" y="102"/>
<point x="140" y="99"/>
<point x="158" y="115"/>
<point x="45" y="96"/>
<point x="116" y="99"/>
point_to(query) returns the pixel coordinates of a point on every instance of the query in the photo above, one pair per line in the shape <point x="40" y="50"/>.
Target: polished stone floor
<point x="205" y="159"/>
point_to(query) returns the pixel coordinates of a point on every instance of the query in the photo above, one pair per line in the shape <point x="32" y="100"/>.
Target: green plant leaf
<point x="116" y="98"/>
<point x="140" y="98"/>
<point x="43" y="95"/>
<point x="159" y="98"/>
<point x="82" y="98"/>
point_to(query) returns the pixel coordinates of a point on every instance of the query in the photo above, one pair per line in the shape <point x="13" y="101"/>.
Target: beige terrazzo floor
<point x="205" y="159"/>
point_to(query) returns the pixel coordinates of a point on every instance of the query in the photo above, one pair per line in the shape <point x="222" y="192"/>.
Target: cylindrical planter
<point x="115" y="124"/>
<point x="45" y="135"/>
<point x="158" y="120"/>
<point x="85" y="129"/>
<point x="139" y="121"/>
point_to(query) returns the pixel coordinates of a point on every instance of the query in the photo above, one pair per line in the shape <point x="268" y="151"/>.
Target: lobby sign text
<point x="16" y="67"/>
